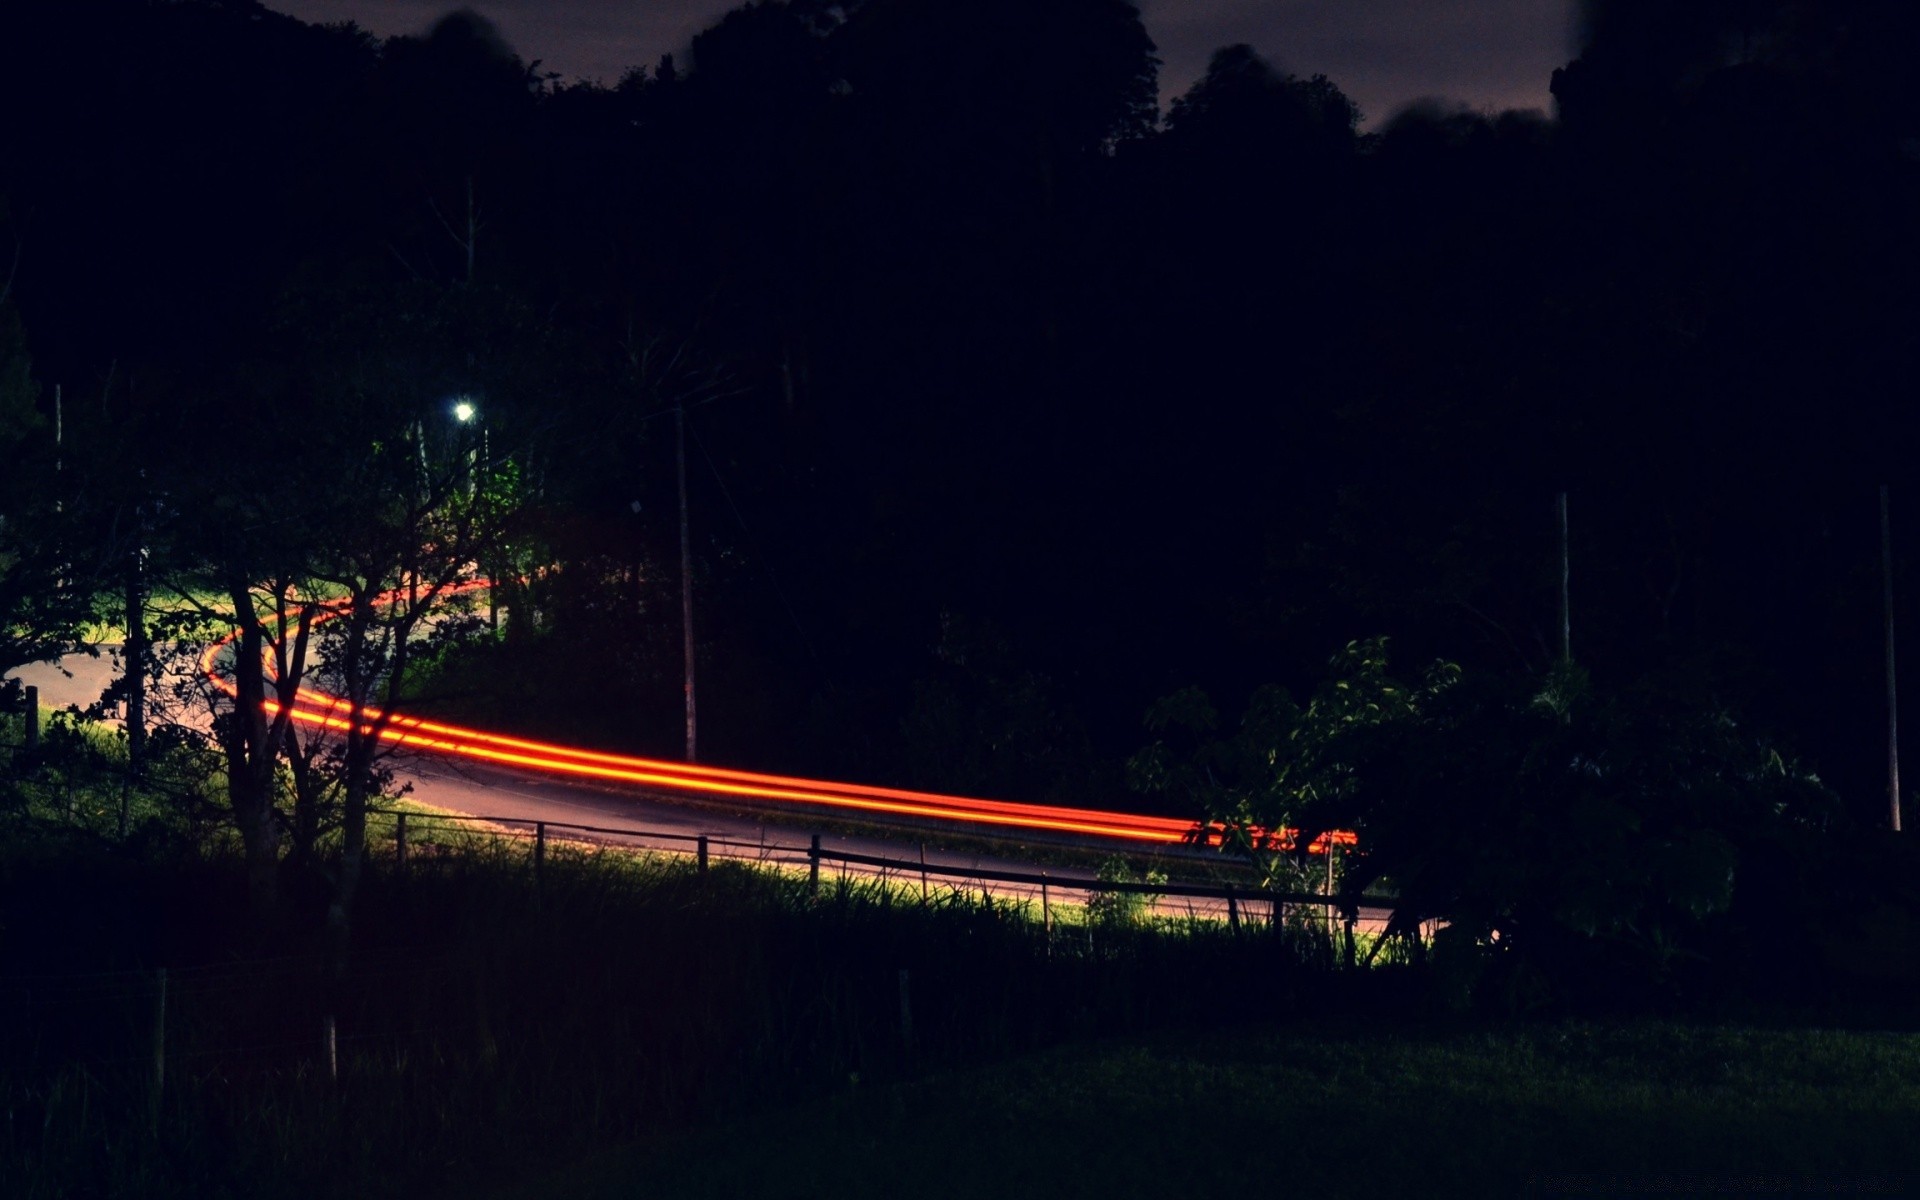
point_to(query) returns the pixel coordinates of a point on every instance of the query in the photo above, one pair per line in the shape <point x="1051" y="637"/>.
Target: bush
<point x="1122" y="910"/>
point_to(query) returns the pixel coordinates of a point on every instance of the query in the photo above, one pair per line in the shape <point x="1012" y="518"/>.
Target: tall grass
<point x="488" y="1021"/>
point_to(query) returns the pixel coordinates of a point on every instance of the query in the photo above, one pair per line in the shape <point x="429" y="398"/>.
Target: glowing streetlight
<point x="466" y="412"/>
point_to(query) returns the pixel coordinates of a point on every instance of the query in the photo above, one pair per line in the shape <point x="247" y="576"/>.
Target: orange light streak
<point x="316" y="708"/>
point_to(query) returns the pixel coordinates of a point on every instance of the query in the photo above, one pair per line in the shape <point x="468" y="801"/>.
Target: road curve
<point x="519" y="782"/>
<point x="617" y="792"/>
<point x="313" y="707"/>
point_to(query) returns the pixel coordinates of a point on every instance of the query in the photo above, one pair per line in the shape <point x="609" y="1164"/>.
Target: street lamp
<point x="466" y="412"/>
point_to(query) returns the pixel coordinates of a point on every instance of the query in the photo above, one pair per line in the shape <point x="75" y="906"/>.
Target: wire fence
<point x="1217" y="899"/>
<point x="1041" y="889"/>
<point x="610" y="958"/>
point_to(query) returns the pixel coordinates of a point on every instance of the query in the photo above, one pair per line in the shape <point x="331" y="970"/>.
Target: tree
<point x="45" y="573"/>
<point x="1043" y="81"/>
<point x="1574" y="842"/>
<point x="405" y="556"/>
<point x="1282" y="763"/>
<point x="245" y="565"/>
<point x="332" y="543"/>
<point x="413" y="514"/>
<point x="1244" y="108"/>
<point x="984" y="723"/>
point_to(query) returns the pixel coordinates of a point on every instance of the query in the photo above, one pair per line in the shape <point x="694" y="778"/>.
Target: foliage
<point x="1120" y="910"/>
<point x="995" y="343"/>
<point x="1242" y="101"/>
<point x="78" y="789"/>
<point x="982" y="722"/>
<point x="1572" y="838"/>
<point x="46" y="572"/>
<point x="1282" y="761"/>
<point x="973" y="295"/>
<point x="485" y="1029"/>
<point x="1577" y="832"/>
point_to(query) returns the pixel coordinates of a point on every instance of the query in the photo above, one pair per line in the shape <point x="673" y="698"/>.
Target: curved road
<point x="520" y="783"/>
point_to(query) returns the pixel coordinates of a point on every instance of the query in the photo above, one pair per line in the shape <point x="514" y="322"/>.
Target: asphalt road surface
<point x="630" y="815"/>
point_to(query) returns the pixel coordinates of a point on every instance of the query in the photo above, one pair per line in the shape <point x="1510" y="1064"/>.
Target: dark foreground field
<point x="1337" y="1108"/>
<point x="492" y="1025"/>
<point x="619" y="1025"/>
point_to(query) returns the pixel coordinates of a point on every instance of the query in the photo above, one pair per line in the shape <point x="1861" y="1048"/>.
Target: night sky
<point x="1489" y="54"/>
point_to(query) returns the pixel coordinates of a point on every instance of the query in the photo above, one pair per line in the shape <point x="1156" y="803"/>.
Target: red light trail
<point x="315" y="708"/>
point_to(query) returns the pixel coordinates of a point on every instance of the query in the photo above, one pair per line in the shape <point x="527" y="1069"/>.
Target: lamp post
<point x="686" y="571"/>
<point x="467" y="412"/>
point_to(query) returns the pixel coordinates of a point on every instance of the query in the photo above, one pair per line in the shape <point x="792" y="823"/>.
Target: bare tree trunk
<point x="250" y="762"/>
<point x="309" y="787"/>
<point x="361" y="743"/>
<point x="260" y="843"/>
<point x="353" y="854"/>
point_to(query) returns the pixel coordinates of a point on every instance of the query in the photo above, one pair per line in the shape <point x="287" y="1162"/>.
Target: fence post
<point x="159" y="1042"/>
<point x="539" y="851"/>
<point x="1046" y="913"/>
<point x="703" y="854"/>
<point x="1233" y="910"/>
<point x="813" y="863"/>
<point x="923" y="872"/>
<point x="330" y="1042"/>
<point x="1351" y="919"/>
<point x="1329" y="853"/>
<point x="400" y="842"/>
<point x="33" y="717"/>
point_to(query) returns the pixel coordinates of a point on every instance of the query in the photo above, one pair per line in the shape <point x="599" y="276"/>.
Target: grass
<point x="1332" y="1108"/>
<point x="488" y="1023"/>
<point x="78" y="787"/>
<point x="109" y="626"/>
<point x="736" y="1033"/>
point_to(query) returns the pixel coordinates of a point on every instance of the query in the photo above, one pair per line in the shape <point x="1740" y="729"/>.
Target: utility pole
<point x="60" y="478"/>
<point x="1893" y="706"/>
<point x="1566" y="619"/>
<point x="136" y="654"/>
<point x="686" y="568"/>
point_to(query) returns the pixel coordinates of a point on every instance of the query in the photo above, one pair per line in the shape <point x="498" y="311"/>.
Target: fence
<point x="157" y="1020"/>
<point x="570" y="997"/>
<point x="1217" y="901"/>
<point x="1226" y="901"/>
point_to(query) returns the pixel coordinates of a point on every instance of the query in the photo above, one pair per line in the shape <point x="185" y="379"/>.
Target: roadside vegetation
<point x="173" y="1041"/>
<point x="904" y="382"/>
<point x="618" y="1018"/>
